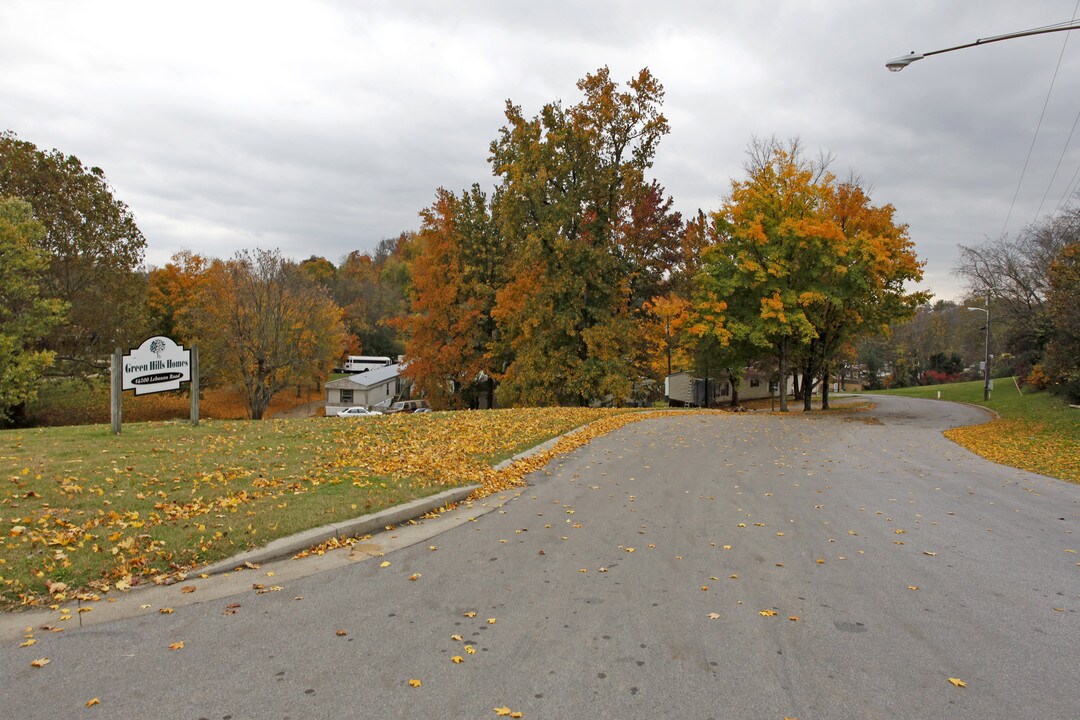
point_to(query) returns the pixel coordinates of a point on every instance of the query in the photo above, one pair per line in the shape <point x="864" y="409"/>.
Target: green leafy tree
<point x="762" y="262"/>
<point x="571" y="178"/>
<point x="25" y="317"/>
<point x="806" y="265"/>
<point x="94" y="250"/>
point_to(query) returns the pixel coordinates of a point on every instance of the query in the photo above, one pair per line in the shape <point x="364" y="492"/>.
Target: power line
<point x="1039" y="126"/>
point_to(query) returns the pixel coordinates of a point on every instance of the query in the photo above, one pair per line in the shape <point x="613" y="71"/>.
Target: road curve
<point x="708" y="566"/>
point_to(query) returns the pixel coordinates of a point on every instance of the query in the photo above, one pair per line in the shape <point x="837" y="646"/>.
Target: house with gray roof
<point x="365" y="389"/>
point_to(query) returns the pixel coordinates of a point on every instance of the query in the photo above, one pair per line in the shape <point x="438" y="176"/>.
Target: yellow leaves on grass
<point x="1024" y="444"/>
<point x="126" y="504"/>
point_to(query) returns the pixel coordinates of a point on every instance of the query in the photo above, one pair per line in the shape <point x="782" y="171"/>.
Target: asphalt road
<point x="637" y="578"/>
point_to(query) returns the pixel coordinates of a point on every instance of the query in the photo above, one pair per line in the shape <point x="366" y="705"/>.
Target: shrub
<point x="1038" y="378"/>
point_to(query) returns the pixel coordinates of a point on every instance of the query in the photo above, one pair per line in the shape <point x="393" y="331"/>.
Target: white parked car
<point x="358" y="412"/>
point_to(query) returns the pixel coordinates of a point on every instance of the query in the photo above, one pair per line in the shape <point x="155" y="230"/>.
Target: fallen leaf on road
<point x="28" y="643"/>
<point x="188" y="589"/>
<point x="912" y="587"/>
<point x="177" y="645"/>
<point x="414" y="682"/>
<point x="92" y="702"/>
<point x="252" y="566"/>
<point x="457" y="659"/>
<point x="766" y="613"/>
<point x="341" y="633"/>
<point x="793" y="618"/>
<point x="931" y="554"/>
<point x="40" y="662"/>
<point x="456" y="638"/>
<point x="958" y="682"/>
<point x="469" y="649"/>
<point x="384" y="563"/>
<point x="166" y="611"/>
<point x="470" y="614"/>
<point x="491" y="621"/>
<point x="414" y="577"/>
<point x="714" y="616"/>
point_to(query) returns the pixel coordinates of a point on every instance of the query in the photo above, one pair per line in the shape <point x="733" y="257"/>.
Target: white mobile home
<point x="364" y="389"/>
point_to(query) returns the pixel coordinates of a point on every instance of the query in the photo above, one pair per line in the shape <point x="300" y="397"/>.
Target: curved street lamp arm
<point x="899" y="63"/>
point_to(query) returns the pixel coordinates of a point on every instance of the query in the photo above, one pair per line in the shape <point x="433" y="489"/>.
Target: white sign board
<point x="159" y="364"/>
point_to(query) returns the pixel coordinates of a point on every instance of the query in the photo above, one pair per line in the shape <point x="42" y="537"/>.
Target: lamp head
<point x="899" y="63"/>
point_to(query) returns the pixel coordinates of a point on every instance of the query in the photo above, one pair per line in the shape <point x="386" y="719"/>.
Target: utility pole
<point x="986" y="348"/>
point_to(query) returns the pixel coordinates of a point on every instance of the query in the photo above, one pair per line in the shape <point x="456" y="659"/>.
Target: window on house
<point x="724" y="390"/>
<point x="346" y="397"/>
<point x="754" y="382"/>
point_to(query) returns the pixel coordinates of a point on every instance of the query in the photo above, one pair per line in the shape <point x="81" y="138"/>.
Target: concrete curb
<point x="364" y="525"/>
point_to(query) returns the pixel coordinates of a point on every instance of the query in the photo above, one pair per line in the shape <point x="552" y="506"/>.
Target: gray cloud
<point x="321" y="128"/>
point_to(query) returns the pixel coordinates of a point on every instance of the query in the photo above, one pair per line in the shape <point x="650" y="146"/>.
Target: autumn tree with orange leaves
<point x="460" y="266"/>
<point x="805" y="264"/>
<point x="264" y="325"/>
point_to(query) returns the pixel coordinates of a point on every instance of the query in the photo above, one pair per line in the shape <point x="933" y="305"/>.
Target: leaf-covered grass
<point x="90" y="509"/>
<point x="1036" y="431"/>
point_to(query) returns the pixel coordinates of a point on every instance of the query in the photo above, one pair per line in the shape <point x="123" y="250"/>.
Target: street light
<point x="986" y="354"/>
<point x="899" y="63"/>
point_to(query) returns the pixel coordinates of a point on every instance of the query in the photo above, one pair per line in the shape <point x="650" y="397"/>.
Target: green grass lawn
<point x="87" y="508"/>
<point x="1036" y="430"/>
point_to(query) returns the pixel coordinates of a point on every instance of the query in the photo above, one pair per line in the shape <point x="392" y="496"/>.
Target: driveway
<point x="706" y="566"/>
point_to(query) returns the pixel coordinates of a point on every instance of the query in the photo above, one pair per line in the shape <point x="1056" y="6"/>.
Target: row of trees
<point x="1031" y="282"/>
<point x="573" y="280"/>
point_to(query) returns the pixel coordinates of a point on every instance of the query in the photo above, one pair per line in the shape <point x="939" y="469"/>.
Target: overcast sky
<point x="324" y="127"/>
